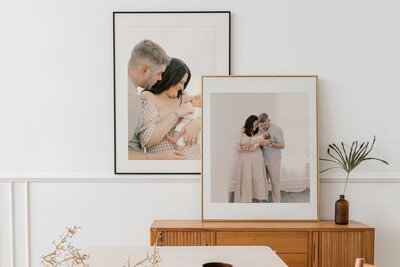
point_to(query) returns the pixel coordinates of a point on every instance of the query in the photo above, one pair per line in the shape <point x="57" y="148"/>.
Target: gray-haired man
<point x="273" y="154"/>
<point x="147" y="63"/>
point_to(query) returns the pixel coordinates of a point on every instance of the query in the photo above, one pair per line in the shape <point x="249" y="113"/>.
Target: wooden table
<point x="195" y="256"/>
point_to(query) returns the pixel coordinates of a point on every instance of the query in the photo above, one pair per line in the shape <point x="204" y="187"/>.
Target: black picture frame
<point x="200" y="38"/>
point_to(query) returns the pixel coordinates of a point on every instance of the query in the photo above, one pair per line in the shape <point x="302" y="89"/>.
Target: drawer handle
<point x="314" y="247"/>
<point x="160" y="239"/>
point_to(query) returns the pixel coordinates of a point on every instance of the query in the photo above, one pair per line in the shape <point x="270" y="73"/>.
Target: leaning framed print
<point x="260" y="148"/>
<point x="154" y="53"/>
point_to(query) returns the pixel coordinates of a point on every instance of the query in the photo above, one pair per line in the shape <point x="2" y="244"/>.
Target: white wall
<point x="56" y="115"/>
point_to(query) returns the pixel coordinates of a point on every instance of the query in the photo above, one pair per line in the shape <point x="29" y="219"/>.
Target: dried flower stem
<point x="65" y="254"/>
<point x="154" y="258"/>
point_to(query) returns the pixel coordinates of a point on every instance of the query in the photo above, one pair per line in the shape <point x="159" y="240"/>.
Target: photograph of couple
<point x="163" y="119"/>
<point x="159" y="60"/>
<point x="259" y="163"/>
<point x="264" y="142"/>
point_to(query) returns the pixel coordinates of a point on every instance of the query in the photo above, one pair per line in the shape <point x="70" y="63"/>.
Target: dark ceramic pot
<point x="217" y="264"/>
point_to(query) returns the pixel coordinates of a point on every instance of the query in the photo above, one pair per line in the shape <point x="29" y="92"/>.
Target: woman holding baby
<point x="251" y="182"/>
<point x="166" y="98"/>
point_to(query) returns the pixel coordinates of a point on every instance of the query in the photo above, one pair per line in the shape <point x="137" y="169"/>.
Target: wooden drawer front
<point x="187" y="238"/>
<point x="282" y="242"/>
<point x="340" y="249"/>
<point x="294" y="260"/>
<point x="368" y="246"/>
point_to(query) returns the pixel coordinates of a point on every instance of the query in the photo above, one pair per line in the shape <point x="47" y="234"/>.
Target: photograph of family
<point x="266" y="150"/>
<point x="260" y="156"/>
<point x="163" y="119"/>
<point x="159" y="60"/>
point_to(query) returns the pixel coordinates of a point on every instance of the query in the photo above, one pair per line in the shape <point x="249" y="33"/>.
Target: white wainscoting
<point x="6" y="225"/>
<point x="119" y="211"/>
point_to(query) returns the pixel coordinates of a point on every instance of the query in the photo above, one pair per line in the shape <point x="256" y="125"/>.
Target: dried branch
<point x="64" y="253"/>
<point x="154" y="258"/>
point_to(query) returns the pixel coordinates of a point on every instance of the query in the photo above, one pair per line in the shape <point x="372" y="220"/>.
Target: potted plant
<point x="347" y="160"/>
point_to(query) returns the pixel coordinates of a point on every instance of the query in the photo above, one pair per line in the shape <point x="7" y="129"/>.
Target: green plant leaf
<point x="340" y="161"/>
<point x="381" y="160"/>
<point x="335" y="159"/>
<point x="349" y="161"/>
<point x="353" y="152"/>
<point x="330" y="169"/>
<point x="337" y="150"/>
<point x="360" y="154"/>
<point x="346" y="161"/>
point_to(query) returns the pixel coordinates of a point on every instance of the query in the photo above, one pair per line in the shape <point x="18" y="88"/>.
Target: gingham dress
<point x="151" y="115"/>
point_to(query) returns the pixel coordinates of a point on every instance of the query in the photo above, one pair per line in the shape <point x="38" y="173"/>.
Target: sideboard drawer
<point x="297" y="260"/>
<point x="282" y="242"/>
<point x="186" y="238"/>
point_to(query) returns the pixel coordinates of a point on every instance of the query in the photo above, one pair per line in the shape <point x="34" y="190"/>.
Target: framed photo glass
<point x="200" y="39"/>
<point x="260" y="148"/>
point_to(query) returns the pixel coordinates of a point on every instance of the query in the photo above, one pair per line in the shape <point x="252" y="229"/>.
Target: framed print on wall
<point x="201" y="40"/>
<point x="260" y="148"/>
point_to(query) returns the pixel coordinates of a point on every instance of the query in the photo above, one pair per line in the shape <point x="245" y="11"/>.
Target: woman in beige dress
<point x="166" y="99"/>
<point x="251" y="179"/>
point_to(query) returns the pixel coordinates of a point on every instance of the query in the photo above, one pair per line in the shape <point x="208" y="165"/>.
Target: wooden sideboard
<point x="299" y="244"/>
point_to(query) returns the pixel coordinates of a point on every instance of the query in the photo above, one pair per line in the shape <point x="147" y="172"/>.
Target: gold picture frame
<point x="291" y="103"/>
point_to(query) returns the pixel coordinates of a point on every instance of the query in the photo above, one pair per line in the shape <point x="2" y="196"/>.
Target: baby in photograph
<point x="256" y="141"/>
<point x="177" y="138"/>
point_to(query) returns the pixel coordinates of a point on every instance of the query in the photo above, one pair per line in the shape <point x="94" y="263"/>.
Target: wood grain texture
<point x="253" y="226"/>
<point x="368" y="246"/>
<point x="340" y="248"/>
<point x="184" y="238"/>
<point x="281" y="242"/>
<point x="314" y="249"/>
<point x="296" y="260"/>
<point x="311" y="244"/>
